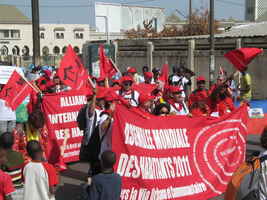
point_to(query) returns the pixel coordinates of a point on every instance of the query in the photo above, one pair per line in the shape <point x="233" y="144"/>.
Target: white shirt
<point x="182" y="82"/>
<point x="36" y="182"/>
<point x="182" y="111"/>
<point x="6" y="114"/>
<point x="128" y="96"/>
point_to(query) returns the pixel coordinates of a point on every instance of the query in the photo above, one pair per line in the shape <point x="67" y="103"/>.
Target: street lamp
<point x="106" y="25"/>
<point x="212" y="44"/>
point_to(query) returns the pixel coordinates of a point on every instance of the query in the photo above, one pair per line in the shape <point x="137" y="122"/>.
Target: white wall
<point x="124" y="17"/>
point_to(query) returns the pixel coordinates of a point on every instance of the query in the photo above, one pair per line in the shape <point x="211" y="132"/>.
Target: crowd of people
<point x="23" y="133"/>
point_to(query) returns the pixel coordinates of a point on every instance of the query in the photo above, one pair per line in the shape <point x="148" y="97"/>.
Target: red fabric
<point x="144" y="88"/>
<point x="107" y="69"/>
<point x="52" y="174"/>
<point x="15" y="91"/>
<point x="257" y="126"/>
<point x="6" y="186"/>
<point x="197" y="112"/>
<point x="71" y="70"/>
<point x="240" y="58"/>
<point x="143" y="98"/>
<point x="221" y="106"/>
<point x="197" y="96"/>
<point x="164" y="74"/>
<point x="176" y="152"/>
<point x="60" y="110"/>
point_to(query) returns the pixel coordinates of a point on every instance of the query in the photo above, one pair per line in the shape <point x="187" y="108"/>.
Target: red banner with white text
<point x="177" y="157"/>
<point x="61" y="111"/>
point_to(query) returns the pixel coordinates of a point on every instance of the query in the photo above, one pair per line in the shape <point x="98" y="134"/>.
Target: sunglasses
<point x="127" y="83"/>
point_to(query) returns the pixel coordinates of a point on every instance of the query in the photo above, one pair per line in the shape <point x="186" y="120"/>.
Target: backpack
<point x="249" y="187"/>
<point x="81" y="118"/>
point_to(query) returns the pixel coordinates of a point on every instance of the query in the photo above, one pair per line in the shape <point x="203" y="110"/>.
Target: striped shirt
<point x="13" y="167"/>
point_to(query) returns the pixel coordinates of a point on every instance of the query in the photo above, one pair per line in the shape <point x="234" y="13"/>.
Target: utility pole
<point x="36" y="32"/>
<point x="212" y="44"/>
<point x="190" y="17"/>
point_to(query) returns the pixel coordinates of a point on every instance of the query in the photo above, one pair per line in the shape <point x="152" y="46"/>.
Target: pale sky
<point x="77" y="11"/>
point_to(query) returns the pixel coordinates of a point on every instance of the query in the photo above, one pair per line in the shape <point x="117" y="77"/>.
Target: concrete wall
<point x="177" y="52"/>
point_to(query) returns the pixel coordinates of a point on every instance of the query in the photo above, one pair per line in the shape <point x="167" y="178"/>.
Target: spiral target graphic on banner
<point x="218" y="157"/>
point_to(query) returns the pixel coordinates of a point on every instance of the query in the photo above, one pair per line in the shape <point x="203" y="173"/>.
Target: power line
<point x="231" y="3"/>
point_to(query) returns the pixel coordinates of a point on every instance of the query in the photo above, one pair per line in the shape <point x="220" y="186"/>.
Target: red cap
<point x="201" y="78"/>
<point x="148" y="74"/>
<point x="126" y="78"/>
<point x="131" y="70"/>
<point x="143" y="98"/>
<point x="47" y="72"/>
<point x="116" y="81"/>
<point x="175" y="89"/>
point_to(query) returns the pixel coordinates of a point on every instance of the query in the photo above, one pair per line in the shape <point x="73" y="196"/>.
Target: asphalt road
<point x="73" y="178"/>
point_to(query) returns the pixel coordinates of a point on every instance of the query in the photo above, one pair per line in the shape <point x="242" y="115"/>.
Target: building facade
<point x="256" y="10"/>
<point x="16" y="35"/>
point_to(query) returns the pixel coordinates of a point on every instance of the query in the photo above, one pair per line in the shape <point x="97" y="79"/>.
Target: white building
<point x="256" y="10"/>
<point x="119" y="18"/>
<point x="16" y="35"/>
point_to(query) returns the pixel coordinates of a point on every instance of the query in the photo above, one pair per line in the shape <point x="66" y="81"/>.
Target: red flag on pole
<point x="164" y="74"/>
<point x="241" y="57"/>
<point x="107" y="69"/>
<point x="15" y="91"/>
<point x="71" y="71"/>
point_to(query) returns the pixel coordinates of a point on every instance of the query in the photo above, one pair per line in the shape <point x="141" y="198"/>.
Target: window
<point x="78" y="35"/>
<point x="45" y="51"/>
<point x="4" y="34"/>
<point x="42" y="35"/>
<point x="76" y="49"/>
<point x="4" y="51"/>
<point x="15" y="34"/>
<point x="56" y="50"/>
<point x="25" y="51"/>
<point x="59" y="35"/>
<point x="15" y="51"/>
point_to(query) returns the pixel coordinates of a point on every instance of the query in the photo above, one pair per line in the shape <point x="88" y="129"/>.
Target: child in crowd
<point x="107" y="184"/>
<point x="40" y="178"/>
<point x="14" y="164"/>
<point x="6" y="186"/>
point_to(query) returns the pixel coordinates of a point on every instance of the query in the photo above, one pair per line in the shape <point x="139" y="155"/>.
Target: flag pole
<point x="115" y="66"/>
<point x="36" y="89"/>
<point x="91" y="82"/>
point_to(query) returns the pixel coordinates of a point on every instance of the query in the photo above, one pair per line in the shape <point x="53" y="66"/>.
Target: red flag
<point x="15" y="91"/>
<point x="164" y="74"/>
<point x="107" y="69"/>
<point x="240" y="58"/>
<point x="71" y="71"/>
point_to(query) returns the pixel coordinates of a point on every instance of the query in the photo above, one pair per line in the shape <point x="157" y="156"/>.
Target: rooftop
<point x="12" y="15"/>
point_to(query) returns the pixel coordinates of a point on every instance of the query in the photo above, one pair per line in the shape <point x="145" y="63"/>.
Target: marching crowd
<point x="23" y="134"/>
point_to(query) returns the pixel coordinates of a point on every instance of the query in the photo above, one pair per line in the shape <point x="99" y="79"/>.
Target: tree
<point x="200" y="26"/>
<point x="173" y="18"/>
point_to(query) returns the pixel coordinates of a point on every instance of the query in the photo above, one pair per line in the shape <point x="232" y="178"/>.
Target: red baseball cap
<point x="126" y="78"/>
<point x="201" y="78"/>
<point x="148" y="74"/>
<point x="101" y="93"/>
<point x="143" y="98"/>
<point x="100" y="79"/>
<point x="175" y="89"/>
<point x="131" y="70"/>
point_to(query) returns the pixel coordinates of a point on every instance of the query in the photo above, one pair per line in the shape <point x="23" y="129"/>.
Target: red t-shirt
<point x="6" y="186"/>
<point x="198" y="96"/>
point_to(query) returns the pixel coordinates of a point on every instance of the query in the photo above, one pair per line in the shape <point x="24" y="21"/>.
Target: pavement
<point x="73" y="178"/>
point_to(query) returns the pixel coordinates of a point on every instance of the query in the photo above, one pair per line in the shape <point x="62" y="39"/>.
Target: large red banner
<point x="177" y="157"/>
<point x="61" y="111"/>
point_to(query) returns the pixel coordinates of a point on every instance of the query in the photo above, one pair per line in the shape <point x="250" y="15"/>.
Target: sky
<point x="78" y="11"/>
